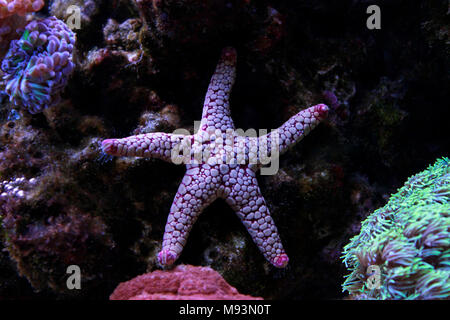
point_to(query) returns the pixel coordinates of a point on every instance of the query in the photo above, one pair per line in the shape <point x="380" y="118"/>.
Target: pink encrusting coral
<point x="220" y="164"/>
<point x="38" y="65"/>
<point x="185" y="282"/>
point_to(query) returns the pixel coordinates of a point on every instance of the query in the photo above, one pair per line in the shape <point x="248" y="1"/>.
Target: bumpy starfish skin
<point x="226" y="168"/>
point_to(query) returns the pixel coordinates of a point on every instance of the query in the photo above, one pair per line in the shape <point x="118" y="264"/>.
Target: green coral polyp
<point x="408" y="239"/>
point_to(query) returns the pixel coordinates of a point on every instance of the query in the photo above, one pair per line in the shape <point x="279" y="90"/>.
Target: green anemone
<point x="408" y="240"/>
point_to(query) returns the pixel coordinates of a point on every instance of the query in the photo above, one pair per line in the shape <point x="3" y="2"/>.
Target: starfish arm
<point x="246" y="199"/>
<point x="196" y="191"/>
<point x="149" y="145"/>
<point x="294" y="130"/>
<point x="216" y="109"/>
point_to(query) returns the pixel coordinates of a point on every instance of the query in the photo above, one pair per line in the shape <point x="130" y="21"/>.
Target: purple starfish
<point x="220" y="164"/>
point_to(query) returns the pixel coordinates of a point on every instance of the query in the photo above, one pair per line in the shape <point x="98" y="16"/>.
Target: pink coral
<point x="20" y="7"/>
<point x="185" y="282"/>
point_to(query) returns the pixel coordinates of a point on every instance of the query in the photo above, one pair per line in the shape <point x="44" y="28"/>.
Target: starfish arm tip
<point x="108" y="146"/>
<point x="166" y="257"/>
<point x="322" y="111"/>
<point x="229" y="54"/>
<point x="281" y="261"/>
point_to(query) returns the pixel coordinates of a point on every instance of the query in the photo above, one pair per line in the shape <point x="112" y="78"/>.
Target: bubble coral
<point x="37" y="66"/>
<point x="12" y="18"/>
<point x="408" y="239"/>
<point x="21" y="7"/>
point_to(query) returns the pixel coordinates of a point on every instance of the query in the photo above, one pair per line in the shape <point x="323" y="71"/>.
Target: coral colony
<point x="13" y="188"/>
<point x="182" y="282"/>
<point x="408" y="240"/>
<point x="220" y="164"/>
<point x="37" y="66"/>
